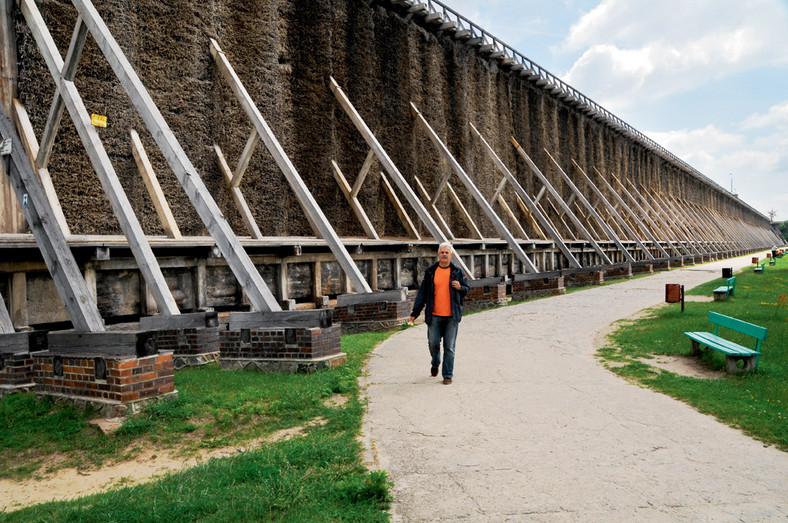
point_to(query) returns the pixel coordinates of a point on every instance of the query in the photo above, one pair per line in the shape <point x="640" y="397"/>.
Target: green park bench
<point x="733" y="351"/>
<point x="759" y="268"/>
<point x="721" y="293"/>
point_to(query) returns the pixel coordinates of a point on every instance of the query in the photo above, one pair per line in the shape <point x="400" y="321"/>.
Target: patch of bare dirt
<point x="683" y="366"/>
<point x="147" y="465"/>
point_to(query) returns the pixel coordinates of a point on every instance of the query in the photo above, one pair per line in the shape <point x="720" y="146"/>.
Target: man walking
<point x="442" y="290"/>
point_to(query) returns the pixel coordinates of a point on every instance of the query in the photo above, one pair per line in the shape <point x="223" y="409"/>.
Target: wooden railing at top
<point x="447" y="19"/>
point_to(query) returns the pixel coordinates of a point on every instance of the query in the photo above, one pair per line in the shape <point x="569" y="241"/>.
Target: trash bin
<point x="727" y="272"/>
<point x="755" y="259"/>
<point x="672" y="292"/>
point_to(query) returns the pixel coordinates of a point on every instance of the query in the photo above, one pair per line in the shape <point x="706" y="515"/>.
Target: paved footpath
<point x="535" y="429"/>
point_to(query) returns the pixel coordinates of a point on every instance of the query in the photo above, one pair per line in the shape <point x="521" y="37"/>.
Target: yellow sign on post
<point x="98" y="120"/>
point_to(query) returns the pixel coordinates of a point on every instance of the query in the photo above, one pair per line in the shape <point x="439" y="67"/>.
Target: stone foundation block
<point x="297" y="349"/>
<point x="193" y="338"/>
<point x="485" y="293"/>
<point x="537" y="285"/>
<point x="377" y="311"/>
<point x="642" y="268"/>
<point x="583" y="277"/>
<point x="16" y="360"/>
<point x="616" y="272"/>
<point x="115" y="383"/>
<point x="663" y="264"/>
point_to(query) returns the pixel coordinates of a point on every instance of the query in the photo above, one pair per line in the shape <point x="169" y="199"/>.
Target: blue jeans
<point x="442" y="327"/>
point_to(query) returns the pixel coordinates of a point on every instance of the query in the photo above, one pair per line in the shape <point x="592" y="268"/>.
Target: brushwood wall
<point x="284" y="52"/>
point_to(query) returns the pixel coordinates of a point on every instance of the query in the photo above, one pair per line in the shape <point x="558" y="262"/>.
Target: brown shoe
<point x="433" y="371"/>
<point x="447" y="381"/>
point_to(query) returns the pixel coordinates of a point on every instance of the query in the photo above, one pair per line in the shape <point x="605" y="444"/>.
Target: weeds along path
<point x="535" y="428"/>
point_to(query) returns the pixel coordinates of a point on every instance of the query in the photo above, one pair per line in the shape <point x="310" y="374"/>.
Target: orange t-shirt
<point x="441" y="305"/>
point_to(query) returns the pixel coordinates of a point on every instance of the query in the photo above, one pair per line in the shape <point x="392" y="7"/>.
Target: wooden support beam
<point x="681" y="222"/>
<point x="531" y="220"/>
<point x="435" y="212"/>
<point x="246" y="156"/>
<point x="238" y="260"/>
<point x="632" y="214"/>
<point x="28" y="137"/>
<point x="67" y="72"/>
<point x="582" y="199"/>
<point x="612" y="210"/>
<point x="362" y="174"/>
<point x="477" y="195"/>
<point x="391" y="169"/>
<point x="558" y="200"/>
<point x="508" y="211"/>
<point x="464" y="214"/>
<point x="238" y="197"/>
<point x="401" y="212"/>
<point x="533" y="207"/>
<point x="99" y="158"/>
<point x="312" y="210"/>
<point x="441" y="185"/>
<point x="6" y="325"/>
<point x="386" y="162"/>
<point x="654" y="217"/>
<point x="358" y="210"/>
<point x="145" y="168"/>
<point x="79" y="303"/>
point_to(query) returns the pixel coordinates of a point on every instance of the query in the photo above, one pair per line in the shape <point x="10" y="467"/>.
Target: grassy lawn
<point x="755" y="402"/>
<point x="318" y="476"/>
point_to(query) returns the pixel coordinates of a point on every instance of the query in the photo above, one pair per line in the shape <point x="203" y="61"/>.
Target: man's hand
<point x="411" y="320"/>
<point x="455" y="285"/>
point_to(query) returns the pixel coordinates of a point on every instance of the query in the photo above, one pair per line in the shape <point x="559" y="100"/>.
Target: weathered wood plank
<point x="238" y="197"/>
<point x="6" y="325"/>
<point x="103" y="167"/>
<point x="650" y="215"/>
<point x="605" y="227"/>
<point x="464" y="214"/>
<point x="145" y="168"/>
<point x="246" y="156"/>
<point x="435" y="212"/>
<point x="401" y="212"/>
<point x="560" y="202"/>
<point x="475" y="193"/>
<point x="358" y="210"/>
<point x="79" y="304"/>
<point x="312" y="211"/>
<point x="512" y="217"/>
<point x="242" y="266"/>
<point x="282" y="319"/>
<point x="531" y="220"/>
<point x="616" y="215"/>
<point x="530" y="203"/>
<point x="189" y="320"/>
<point x="386" y="162"/>
<point x="68" y="71"/>
<point x="116" y="343"/>
<point x="362" y="174"/>
<point x="356" y="299"/>
<point x="28" y="137"/>
<point x="632" y="214"/>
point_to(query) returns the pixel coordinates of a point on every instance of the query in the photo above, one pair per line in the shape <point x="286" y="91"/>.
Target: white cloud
<point x="775" y="118"/>
<point x="633" y="49"/>
<point x="759" y="165"/>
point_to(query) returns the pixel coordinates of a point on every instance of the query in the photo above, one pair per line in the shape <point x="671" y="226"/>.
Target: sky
<point x="706" y="79"/>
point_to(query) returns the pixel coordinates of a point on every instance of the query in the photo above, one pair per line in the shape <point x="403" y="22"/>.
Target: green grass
<point x="316" y="477"/>
<point x="756" y="401"/>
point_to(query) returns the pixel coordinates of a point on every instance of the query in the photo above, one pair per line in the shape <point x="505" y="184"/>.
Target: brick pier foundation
<point x="537" y="285"/>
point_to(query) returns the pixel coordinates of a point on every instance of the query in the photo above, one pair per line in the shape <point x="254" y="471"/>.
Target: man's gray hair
<point x="446" y="244"/>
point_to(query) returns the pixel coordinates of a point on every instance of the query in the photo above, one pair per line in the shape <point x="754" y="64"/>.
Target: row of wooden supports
<point x="651" y="207"/>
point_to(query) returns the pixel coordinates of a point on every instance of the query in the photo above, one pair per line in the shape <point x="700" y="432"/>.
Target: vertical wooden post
<point x="18" y="299"/>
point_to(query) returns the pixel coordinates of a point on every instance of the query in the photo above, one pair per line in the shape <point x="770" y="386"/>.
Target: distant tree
<point x="784" y="230"/>
<point x="772" y="213"/>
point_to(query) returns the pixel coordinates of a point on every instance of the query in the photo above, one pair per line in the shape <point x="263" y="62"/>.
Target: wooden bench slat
<point x="721" y="344"/>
